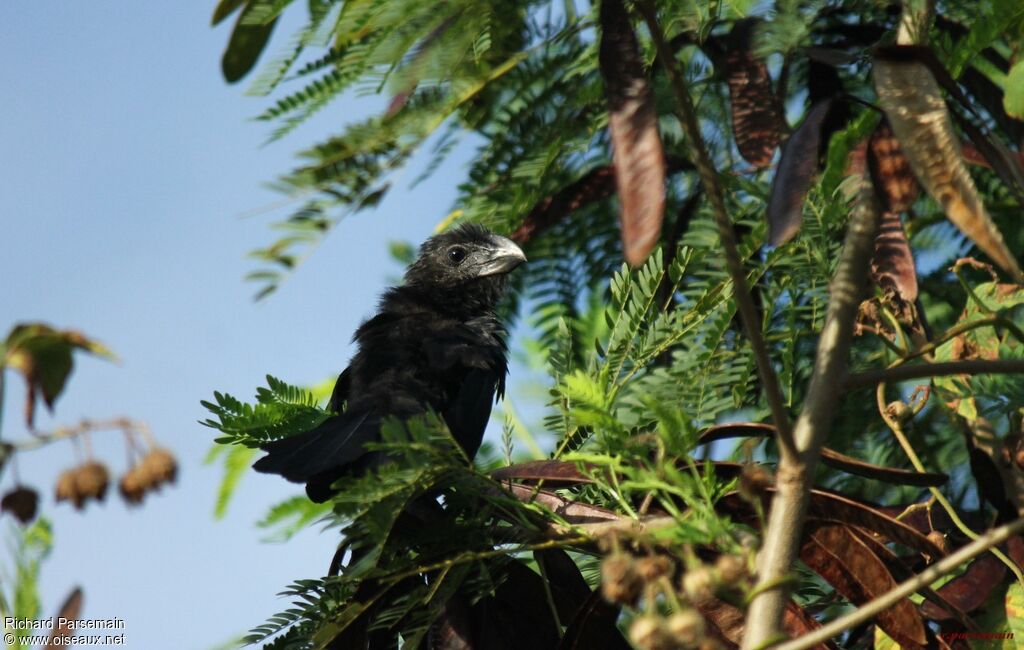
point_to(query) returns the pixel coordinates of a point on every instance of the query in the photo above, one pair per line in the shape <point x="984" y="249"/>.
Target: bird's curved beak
<point x="503" y="256"/>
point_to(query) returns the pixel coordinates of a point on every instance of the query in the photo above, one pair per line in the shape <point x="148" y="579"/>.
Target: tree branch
<point x="788" y="509"/>
<point x="902" y="373"/>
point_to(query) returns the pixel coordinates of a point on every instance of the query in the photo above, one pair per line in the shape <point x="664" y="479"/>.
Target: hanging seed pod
<point x="648" y="632"/>
<point x="91" y="481"/>
<point x="132" y="487"/>
<point x="912" y="100"/>
<point x="686" y="627"/>
<point x="620" y="582"/>
<point x="159" y="467"/>
<point x="22" y="502"/>
<point x="66" y="489"/>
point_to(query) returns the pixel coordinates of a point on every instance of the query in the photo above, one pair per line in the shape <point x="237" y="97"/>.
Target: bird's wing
<point x="478" y="359"/>
<point x="336" y="441"/>
<point x="339" y="396"/>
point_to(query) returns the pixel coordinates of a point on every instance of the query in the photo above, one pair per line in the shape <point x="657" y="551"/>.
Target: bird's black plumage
<point x="434" y="344"/>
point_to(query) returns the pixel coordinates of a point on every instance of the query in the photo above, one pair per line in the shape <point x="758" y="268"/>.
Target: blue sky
<point x="126" y="165"/>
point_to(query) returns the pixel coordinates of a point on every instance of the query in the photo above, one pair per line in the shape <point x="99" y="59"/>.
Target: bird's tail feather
<point x="334" y="443"/>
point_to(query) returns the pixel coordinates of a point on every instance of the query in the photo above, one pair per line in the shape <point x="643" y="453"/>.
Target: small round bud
<point x="620" y="582"/>
<point x="648" y="632"/>
<point x="730" y="569"/>
<point x="686" y="627"/>
<point x="653" y="567"/>
<point x="899" y="411"/>
<point x="937" y="538"/>
<point x="699" y="584"/>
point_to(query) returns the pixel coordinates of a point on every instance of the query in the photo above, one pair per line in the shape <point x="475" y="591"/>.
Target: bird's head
<point x="468" y="264"/>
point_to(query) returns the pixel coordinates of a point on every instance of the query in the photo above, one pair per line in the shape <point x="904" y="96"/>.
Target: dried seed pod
<point x="620" y="582"/>
<point x="686" y="627"/>
<point x="648" y="632"/>
<point x="66" y="489"/>
<point x="91" y="481"/>
<point x="730" y="569"/>
<point x="653" y="567"/>
<point x="132" y="487"/>
<point x="917" y="112"/>
<point x="159" y="467"/>
<point x="699" y="584"/>
<point x="22" y="502"/>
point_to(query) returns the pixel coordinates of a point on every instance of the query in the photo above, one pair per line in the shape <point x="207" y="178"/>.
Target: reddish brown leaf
<point x="828" y="507"/>
<point x="638" y="157"/>
<point x="797" y="167"/>
<point x="757" y="122"/>
<point x="968" y="591"/>
<point x="554" y="473"/>
<point x="728" y="622"/>
<point x="830" y="457"/>
<point x="847" y="564"/>
<point x="573" y="512"/>
<point x="69" y="611"/>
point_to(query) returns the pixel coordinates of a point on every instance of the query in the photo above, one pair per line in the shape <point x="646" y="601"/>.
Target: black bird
<point x="435" y="344"/>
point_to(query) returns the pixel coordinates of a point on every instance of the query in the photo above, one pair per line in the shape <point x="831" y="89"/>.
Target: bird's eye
<point x="456" y="254"/>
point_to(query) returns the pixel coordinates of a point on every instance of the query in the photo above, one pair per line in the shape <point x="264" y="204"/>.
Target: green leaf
<point x="44" y="356"/>
<point x="245" y="46"/>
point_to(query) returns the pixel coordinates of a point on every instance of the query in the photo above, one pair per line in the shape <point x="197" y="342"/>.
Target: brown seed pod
<point x="653" y="567"/>
<point x="699" y="584"/>
<point x="66" y="489"/>
<point x="730" y="569"/>
<point x="648" y="632"/>
<point x="132" y="487"/>
<point x="159" y="467"/>
<point x="22" y="502"/>
<point x="620" y="582"/>
<point x="686" y="627"/>
<point x="91" y="481"/>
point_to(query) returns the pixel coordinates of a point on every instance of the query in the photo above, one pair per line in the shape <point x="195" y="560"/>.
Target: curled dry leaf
<point x="757" y="121"/>
<point x="849" y="565"/>
<point x="912" y="100"/>
<point x="22" y="502"/>
<point x="638" y="157"/>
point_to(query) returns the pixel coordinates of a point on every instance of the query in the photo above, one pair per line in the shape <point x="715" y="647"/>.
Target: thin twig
<point x="43" y="438"/>
<point x="713" y="188"/>
<point x="902" y="373"/>
<point x="872" y="608"/>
